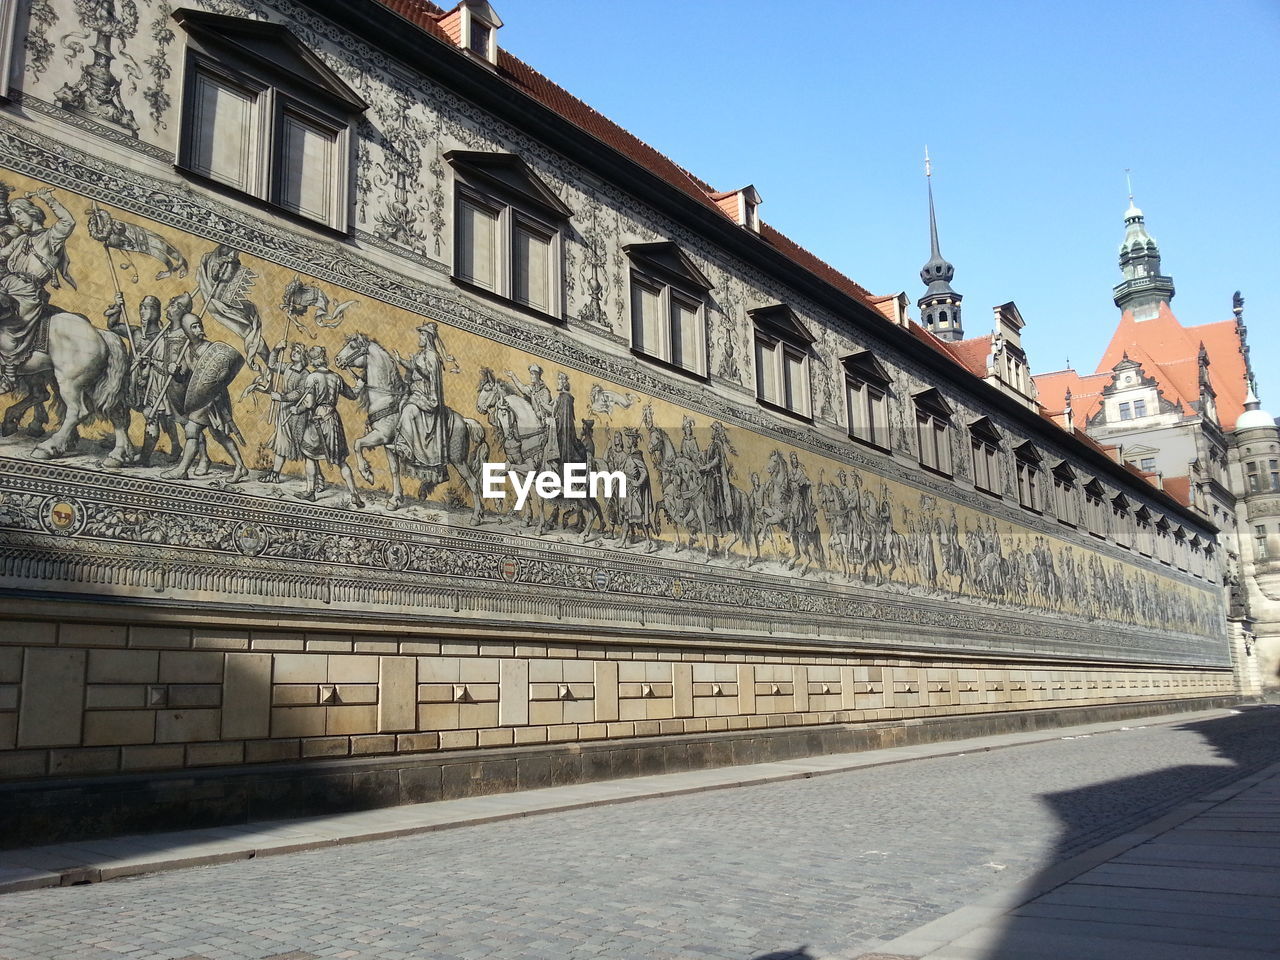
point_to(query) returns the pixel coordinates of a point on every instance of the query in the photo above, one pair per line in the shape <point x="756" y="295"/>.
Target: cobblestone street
<point x="834" y="865"/>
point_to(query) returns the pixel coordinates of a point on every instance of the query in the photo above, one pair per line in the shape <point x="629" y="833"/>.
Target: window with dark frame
<point x="984" y="442"/>
<point x="265" y="117"/>
<point x="1095" y="508"/>
<point x="933" y="431"/>
<point x="867" y="387"/>
<point x="1066" y="494"/>
<point x="1028" y="466"/>
<point x="668" y="315"/>
<point x="508" y="232"/>
<point x="782" y="349"/>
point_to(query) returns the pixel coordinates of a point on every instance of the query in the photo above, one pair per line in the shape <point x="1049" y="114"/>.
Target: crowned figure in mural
<point x="638" y="511"/>
<point x="151" y="342"/>
<point x="197" y="390"/>
<point x="322" y="437"/>
<point x="288" y="373"/>
<point x="420" y="432"/>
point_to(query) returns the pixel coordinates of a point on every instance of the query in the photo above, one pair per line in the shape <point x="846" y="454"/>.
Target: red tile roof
<point x="522" y="76"/>
<point x="972" y="354"/>
<point x="1086" y="392"/>
<point x="1179" y="488"/>
<point x="1169" y="352"/>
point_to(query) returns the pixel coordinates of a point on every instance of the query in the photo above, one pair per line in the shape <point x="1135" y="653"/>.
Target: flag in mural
<point x="298" y="297"/>
<point x="132" y="238"/>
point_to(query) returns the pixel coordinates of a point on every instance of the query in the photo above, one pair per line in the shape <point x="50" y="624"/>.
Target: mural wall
<point x="201" y="405"/>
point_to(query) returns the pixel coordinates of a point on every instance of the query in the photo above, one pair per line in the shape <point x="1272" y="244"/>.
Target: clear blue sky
<point x="1031" y="111"/>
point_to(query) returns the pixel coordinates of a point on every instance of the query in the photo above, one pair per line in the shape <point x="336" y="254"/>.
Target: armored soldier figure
<point x="148" y="373"/>
<point x="198" y="392"/>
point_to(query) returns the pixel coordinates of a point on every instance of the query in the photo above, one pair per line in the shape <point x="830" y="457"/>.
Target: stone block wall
<point x="79" y="698"/>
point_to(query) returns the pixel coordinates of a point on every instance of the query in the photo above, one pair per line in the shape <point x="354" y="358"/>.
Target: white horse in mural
<point x="90" y="367"/>
<point x="383" y="398"/>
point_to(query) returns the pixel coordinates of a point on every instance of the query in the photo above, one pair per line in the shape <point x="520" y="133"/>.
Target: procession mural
<point x="127" y="348"/>
<point x="185" y="416"/>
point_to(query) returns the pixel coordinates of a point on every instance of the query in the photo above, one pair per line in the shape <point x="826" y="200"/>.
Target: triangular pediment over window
<point x="983" y="429"/>
<point x="1028" y="453"/>
<point x="1120" y="501"/>
<point x="1094" y="489"/>
<point x="931" y="401"/>
<point x="262" y="45"/>
<point x="1142" y="515"/>
<point x="668" y="262"/>
<point x="1064" y="472"/>
<point x="508" y="174"/>
<point x="866" y="367"/>
<point x="780" y="321"/>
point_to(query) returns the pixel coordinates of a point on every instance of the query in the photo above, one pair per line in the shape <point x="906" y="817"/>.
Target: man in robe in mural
<point x="420" y="432"/>
<point x="288" y="374"/>
<point x="148" y="375"/>
<point x="717" y="471"/>
<point x="638" y="511"/>
<point x="802" y="515"/>
<point x="567" y="442"/>
<point x="538" y="394"/>
<point x="323" y="437"/>
<point x="615" y="458"/>
<point x="35" y="258"/>
<point x="201" y="375"/>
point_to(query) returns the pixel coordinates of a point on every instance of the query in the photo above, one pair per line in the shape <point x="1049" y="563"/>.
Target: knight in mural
<point x="322" y="437"/>
<point x="420" y="432"/>
<point x="151" y="345"/>
<point x="802" y="515"/>
<point x="197" y="389"/>
<point x="287" y="375"/>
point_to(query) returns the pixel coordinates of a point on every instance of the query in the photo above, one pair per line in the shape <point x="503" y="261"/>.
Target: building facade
<point x="1178" y="404"/>
<point x="295" y="272"/>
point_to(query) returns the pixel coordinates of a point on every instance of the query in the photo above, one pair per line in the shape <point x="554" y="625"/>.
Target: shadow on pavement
<point x="1205" y="894"/>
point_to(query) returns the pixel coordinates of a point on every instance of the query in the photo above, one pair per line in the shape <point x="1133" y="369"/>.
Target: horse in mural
<point x="524" y="436"/>
<point x="35" y="393"/>
<point x="682" y="500"/>
<point x="90" y="368"/>
<point x="382" y="396"/>
<point x="793" y="514"/>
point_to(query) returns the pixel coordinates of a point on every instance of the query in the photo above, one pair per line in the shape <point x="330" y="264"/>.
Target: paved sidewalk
<point x="97" y="860"/>
<point x="1200" y="883"/>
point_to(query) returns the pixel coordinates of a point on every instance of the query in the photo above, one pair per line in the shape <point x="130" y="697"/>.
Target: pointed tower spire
<point x="1144" y="288"/>
<point x="940" y="305"/>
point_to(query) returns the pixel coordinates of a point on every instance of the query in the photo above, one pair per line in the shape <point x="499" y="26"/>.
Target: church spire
<point x="940" y="305"/>
<point x="1144" y="288"/>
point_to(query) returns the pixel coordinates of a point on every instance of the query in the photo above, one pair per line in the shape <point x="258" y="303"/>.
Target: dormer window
<point x="481" y="38"/>
<point x="1095" y="508"/>
<point x="742" y="206"/>
<point x="782" y="346"/>
<point x="473" y="26"/>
